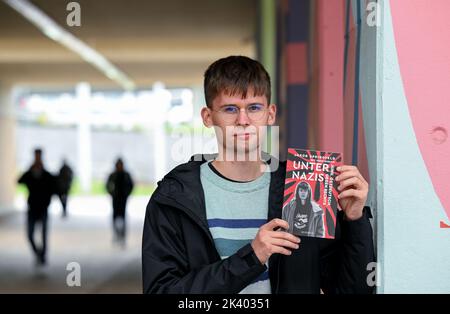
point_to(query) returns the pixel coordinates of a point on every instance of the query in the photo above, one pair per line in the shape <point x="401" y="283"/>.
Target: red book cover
<point x="310" y="202"/>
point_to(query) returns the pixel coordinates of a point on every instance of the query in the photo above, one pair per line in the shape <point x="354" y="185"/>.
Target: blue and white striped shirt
<point x="235" y="211"/>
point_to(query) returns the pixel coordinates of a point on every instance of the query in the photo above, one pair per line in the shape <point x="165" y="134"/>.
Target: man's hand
<point x="353" y="191"/>
<point x="268" y="241"/>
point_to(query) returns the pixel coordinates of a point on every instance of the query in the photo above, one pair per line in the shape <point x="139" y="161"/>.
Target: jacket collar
<point x="182" y="188"/>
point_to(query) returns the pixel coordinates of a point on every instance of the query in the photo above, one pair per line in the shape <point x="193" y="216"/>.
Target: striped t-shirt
<point x="235" y="211"/>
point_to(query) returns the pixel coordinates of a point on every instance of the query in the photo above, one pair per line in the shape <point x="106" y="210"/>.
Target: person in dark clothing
<point x="64" y="180"/>
<point x="182" y="249"/>
<point x="41" y="186"/>
<point x="303" y="214"/>
<point x="119" y="186"/>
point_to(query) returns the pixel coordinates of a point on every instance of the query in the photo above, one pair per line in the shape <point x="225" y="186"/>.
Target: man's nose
<point x="242" y="118"/>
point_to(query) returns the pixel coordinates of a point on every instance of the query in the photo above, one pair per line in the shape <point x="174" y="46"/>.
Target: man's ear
<point x="206" y="117"/>
<point x="272" y="114"/>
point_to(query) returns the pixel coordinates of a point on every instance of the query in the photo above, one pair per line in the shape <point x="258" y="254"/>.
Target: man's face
<point x="303" y="193"/>
<point x="240" y="123"/>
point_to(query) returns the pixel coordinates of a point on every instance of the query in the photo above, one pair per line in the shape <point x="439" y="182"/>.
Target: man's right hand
<point x="268" y="241"/>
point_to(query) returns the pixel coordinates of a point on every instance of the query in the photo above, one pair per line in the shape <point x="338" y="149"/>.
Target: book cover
<point x="310" y="202"/>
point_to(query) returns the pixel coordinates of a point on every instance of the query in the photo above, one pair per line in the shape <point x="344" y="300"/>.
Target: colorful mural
<point x="425" y="71"/>
<point x="388" y="113"/>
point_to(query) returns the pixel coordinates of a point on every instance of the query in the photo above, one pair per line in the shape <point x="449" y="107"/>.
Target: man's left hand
<point x="353" y="190"/>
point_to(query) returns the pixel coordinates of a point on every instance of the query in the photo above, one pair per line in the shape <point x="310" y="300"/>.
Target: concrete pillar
<point x="267" y="39"/>
<point x="7" y="149"/>
<point x="161" y="105"/>
<point x="267" y="50"/>
<point x="199" y="103"/>
<point x="83" y="93"/>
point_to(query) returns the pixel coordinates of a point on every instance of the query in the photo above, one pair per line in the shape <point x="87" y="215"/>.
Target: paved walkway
<point x="84" y="237"/>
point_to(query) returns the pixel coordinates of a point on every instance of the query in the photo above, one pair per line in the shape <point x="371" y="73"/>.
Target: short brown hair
<point x="235" y="75"/>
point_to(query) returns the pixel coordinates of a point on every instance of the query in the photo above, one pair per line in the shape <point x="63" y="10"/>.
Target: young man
<point x="213" y="224"/>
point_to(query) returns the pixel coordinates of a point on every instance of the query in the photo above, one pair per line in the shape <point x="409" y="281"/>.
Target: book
<point x="310" y="201"/>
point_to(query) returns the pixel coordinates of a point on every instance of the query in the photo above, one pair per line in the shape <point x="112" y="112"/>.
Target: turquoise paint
<point x="412" y="249"/>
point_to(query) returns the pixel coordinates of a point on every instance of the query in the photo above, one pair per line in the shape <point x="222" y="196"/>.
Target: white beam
<point x="57" y="33"/>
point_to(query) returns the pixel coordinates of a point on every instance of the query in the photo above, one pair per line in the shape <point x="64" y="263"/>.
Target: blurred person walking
<point x="41" y="186"/>
<point x="119" y="186"/>
<point x="64" y="181"/>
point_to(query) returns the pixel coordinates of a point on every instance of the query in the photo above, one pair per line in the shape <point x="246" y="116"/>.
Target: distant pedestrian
<point x="119" y="186"/>
<point x="64" y="182"/>
<point x="41" y="186"/>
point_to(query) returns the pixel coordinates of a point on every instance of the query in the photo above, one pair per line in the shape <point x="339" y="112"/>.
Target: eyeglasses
<point x="254" y="112"/>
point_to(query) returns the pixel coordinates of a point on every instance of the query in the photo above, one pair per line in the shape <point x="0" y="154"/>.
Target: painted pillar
<point x="327" y="74"/>
<point x="297" y="72"/>
<point x="414" y="119"/>
<point x="292" y="72"/>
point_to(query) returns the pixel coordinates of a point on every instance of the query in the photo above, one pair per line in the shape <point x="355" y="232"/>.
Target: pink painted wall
<point x="422" y="35"/>
<point x="330" y="42"/>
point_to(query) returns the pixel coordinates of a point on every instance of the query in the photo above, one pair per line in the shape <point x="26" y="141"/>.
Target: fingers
<point x="284" y="243"/>
<point x="352" y="193"/>
<point x="348" y="172"/>
<point x="268" y="241"/>
<point x="353" y="181"/>
<point x="280" y="250"/>
<point x="285" y="235"/>
<point x="275" y="223"/>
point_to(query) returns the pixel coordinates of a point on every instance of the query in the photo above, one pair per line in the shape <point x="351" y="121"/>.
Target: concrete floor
<point x="84" y="237"/>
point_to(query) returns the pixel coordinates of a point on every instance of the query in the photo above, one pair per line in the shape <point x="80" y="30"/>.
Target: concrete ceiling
<point x="167" y="40"/>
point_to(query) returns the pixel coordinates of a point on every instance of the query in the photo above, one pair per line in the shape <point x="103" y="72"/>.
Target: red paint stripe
<point x="330" y="41"/>
<point x="297" y="63"/>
